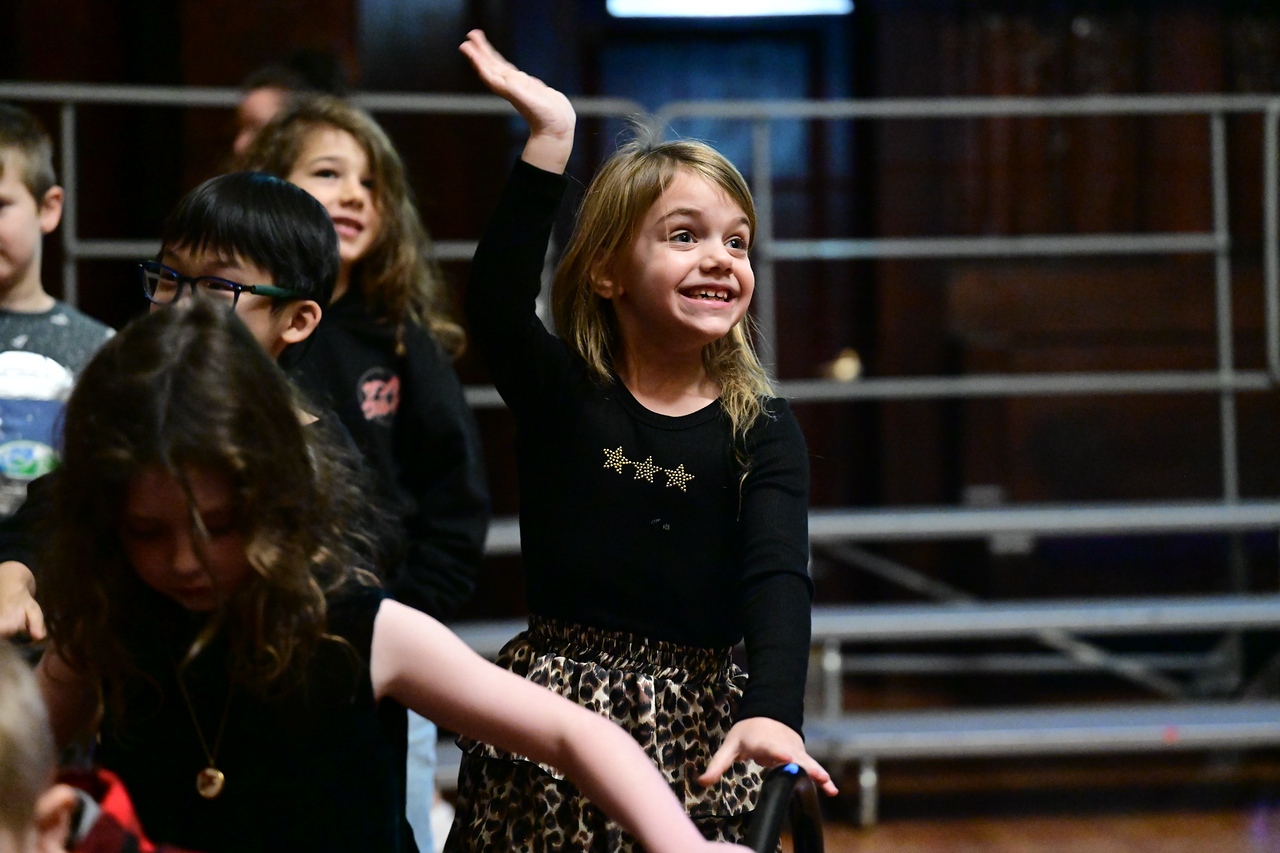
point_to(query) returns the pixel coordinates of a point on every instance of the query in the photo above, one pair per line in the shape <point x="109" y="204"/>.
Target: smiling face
<point x="157" y="535"/>
<point x="334" y="168"/>
<point x="685" y="279"/>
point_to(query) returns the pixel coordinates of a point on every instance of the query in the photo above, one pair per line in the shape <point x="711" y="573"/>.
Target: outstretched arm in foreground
<point x="423" y="665"/>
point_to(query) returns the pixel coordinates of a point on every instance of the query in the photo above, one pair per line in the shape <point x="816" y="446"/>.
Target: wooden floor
<point x="1199" y="832"/>
<point x="1144" y="804"/>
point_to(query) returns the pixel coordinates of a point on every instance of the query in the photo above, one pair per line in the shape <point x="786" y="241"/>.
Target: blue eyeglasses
<point x="163" y="285"/>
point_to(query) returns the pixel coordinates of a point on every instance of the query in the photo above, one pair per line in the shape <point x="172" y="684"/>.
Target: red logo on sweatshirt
<point x="379" y="394"/>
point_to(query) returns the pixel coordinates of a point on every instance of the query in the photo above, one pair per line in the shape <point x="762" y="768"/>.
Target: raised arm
<point x="548" y="112"/>
<point x="528" y="365"/>
<point x="423" y="665"/>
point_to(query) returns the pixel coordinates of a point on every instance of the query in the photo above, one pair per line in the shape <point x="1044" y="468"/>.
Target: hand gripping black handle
<point x="787" y="790"/>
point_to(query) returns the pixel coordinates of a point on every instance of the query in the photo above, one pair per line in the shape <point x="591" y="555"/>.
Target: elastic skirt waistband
<point x="629" y="652"/>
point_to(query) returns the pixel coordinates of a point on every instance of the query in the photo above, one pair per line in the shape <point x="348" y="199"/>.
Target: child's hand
<point x="766" y="742"/>
<point x="19" y="613"/>
<point x="550" y="115"/>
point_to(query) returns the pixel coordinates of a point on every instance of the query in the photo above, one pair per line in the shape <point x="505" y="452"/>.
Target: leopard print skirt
<point x="676" y="701"/>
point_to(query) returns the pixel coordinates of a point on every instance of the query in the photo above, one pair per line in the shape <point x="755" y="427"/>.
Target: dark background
<point x="895" y="178"/>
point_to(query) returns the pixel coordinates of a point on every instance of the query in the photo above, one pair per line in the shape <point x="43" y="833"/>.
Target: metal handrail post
<point x="70" y="208"/>
<point x="1225" y="325"/>
<point x="1271" y="233"/>
<point x="832" y="679"/>
<point x="868" y="791"/>
<point x="765" y="298"/>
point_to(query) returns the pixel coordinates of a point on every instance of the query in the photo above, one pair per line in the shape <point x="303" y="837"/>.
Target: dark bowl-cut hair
<point x="263" y="220"/>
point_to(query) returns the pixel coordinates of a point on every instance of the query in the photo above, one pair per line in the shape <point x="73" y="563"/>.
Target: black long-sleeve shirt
<point x="632" y="520"/>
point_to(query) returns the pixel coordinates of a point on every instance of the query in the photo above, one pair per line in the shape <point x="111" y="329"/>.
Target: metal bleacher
<point x="838" y="736"/>
<point x="1174" y="721"/>
<point x="1178" y="717"/>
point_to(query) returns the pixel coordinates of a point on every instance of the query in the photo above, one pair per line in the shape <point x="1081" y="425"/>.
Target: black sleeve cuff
<point x="777" y="627"/>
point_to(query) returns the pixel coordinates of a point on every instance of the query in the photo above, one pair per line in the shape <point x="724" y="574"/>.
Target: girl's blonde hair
<point x="617" y="200"/>
<point x="398" y="277"/>
<point x="26" y="745"/>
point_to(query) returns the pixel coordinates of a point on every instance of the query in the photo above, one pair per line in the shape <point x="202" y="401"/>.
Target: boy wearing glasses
<point x="255" y="243"/>
<point x="43" y="342"/>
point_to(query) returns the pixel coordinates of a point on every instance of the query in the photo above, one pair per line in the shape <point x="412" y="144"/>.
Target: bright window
<point x="725" y="8"/>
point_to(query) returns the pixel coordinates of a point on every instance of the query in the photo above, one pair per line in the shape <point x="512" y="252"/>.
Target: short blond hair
<point x="26" y="744"/>
<point x="617" y="200"/>
<point x="26" y="147"/>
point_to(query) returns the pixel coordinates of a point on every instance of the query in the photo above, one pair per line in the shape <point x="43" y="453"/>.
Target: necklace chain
<point x="210" y="780"/>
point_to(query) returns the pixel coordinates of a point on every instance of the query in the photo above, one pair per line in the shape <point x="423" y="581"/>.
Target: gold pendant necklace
<point x="210" y="781"/>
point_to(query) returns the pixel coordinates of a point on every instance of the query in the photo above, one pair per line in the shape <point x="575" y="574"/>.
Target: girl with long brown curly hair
<point x="252" y="679"/>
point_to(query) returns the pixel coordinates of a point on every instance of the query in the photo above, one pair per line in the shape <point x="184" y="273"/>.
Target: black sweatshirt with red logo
<point x="408" y="416"/>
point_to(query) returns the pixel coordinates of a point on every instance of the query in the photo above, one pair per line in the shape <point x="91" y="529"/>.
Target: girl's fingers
<point x="499" y="74"/>
<point x="548" y="112"/>
<point x="35" y="621"/>
<point x="720" y="762"/>
<point x="765" y="751"/>
<point x="25" y="617"/>
<point x="816" y="772"/>
<point x="819" y="775"/>
<point x="492" y="67"/>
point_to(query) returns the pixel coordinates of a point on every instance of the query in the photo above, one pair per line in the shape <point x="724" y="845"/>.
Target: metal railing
<point x="70" y="96"/>
<point x="834" y="528"/>
<point x="1226" y="380"/>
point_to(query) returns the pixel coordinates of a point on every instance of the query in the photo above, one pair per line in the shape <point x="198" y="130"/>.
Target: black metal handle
<point x="787" y="790"/>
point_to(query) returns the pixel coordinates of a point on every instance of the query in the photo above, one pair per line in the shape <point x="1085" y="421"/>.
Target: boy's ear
<point x="53" y="818"/>
<point x="304" y="316"/>
<point x="50" y="208"/>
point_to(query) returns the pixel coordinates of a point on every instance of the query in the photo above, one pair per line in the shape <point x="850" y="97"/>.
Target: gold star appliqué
<point x="678" y="477"/>
<point x="615" y="459"/>
<point x="646" y="469"/>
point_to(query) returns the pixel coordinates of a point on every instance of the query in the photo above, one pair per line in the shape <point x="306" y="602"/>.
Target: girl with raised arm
<point x="663" y="489"/>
